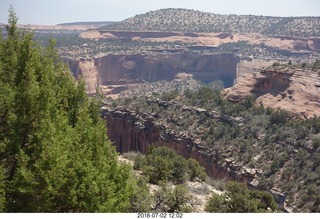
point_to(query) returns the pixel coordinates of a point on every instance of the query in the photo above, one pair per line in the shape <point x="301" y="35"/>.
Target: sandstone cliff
<point x="127" y="69"/>
<point x="295" y="90"/>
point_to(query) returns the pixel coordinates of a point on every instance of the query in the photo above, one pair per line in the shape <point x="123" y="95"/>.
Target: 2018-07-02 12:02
<point x="160" y="215"/>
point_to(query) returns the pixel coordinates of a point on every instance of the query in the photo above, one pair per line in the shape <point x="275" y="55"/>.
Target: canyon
<point x="130" y="131"/>
<point x="112" y="73"/>
<point x="150" y="56"/>
<point x="113" y="61"/>
<point x="286" y="87"/>
<point x="243" y="73"/>
<point x="231" y="141"/>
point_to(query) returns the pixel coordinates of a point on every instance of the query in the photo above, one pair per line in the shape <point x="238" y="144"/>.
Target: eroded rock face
<point x="127" y="69"/>
<point x="132" y="132"/>
<point x="295" y="90"/>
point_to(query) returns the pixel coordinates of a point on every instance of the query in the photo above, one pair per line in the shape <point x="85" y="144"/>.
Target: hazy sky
<point x="59" y="11"/>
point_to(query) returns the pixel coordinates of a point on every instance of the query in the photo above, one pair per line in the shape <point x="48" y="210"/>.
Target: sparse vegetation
<point x="196" y="21"/>
<point x="238" y="198"/>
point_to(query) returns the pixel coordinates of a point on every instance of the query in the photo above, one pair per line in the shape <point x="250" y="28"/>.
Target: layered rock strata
<point x="129" y="69"/>
<point x="295" y="90"/>
<point x="132" y="132"/>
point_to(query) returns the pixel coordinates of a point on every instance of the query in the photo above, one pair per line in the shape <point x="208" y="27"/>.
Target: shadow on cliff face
<point x="128" y="133"/>
<point x="273" y="84"/>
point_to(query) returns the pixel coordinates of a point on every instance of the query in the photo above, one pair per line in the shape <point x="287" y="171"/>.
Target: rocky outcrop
<point x="126" y="69"/>
<point x="292" y="89"/>
<point x="314" y="44"/>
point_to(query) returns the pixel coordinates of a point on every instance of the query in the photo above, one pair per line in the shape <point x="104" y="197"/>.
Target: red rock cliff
<point x="131" y="132"/>
<point x="126" y="69"/>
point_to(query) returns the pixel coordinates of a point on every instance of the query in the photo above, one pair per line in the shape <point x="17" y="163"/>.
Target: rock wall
<point x="130" y="132"/>
<point x="295" y="90"/>
<point x="87" y="69"/>
<point x="126" y="69"/>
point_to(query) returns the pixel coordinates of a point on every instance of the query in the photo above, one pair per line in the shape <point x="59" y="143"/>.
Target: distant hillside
<point x="196" y="21"/>
<point x="91" y="23"/>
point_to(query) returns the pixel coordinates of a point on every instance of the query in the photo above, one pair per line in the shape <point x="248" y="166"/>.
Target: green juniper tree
<point x="239" y="199"/>
<point x="54" y="152"/>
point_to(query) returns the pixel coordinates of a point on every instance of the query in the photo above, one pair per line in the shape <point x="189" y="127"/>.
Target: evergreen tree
<point x="196" y="171"/>
<point x="168" y="199"/>
<point x="239" y="199"/>
<point x="141" y="198"/>
<point x="2" y="189"/>
<point x="217" y="203"/>
<point x="54" y="152"/>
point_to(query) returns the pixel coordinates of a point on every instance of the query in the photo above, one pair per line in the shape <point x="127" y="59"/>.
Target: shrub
<point x="316" y="206"/>
<point x="196" y="171"/>
<point x="279" y="116"/>
<point x="316" y="143"/>
<point x="170" y="199"/>
<point x="130" y="155"/>
<point x="139" y="161"/>
<point x="217" y="203"/>
<point x="218" y="184"/>
<point x="162" y="164"/>
<point x="238" y="198"/>
<point x="141" y="198"/>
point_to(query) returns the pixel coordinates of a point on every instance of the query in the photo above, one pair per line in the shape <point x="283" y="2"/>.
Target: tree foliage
<point x="217" y="203"/>
<point x="54" y="152"/>
<point x="196" y="171"/>
<point x="168" y="199"/>
<point x="141" y="199"/>
<point x="163" y="164"/>
<point x="239" y="199"/>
